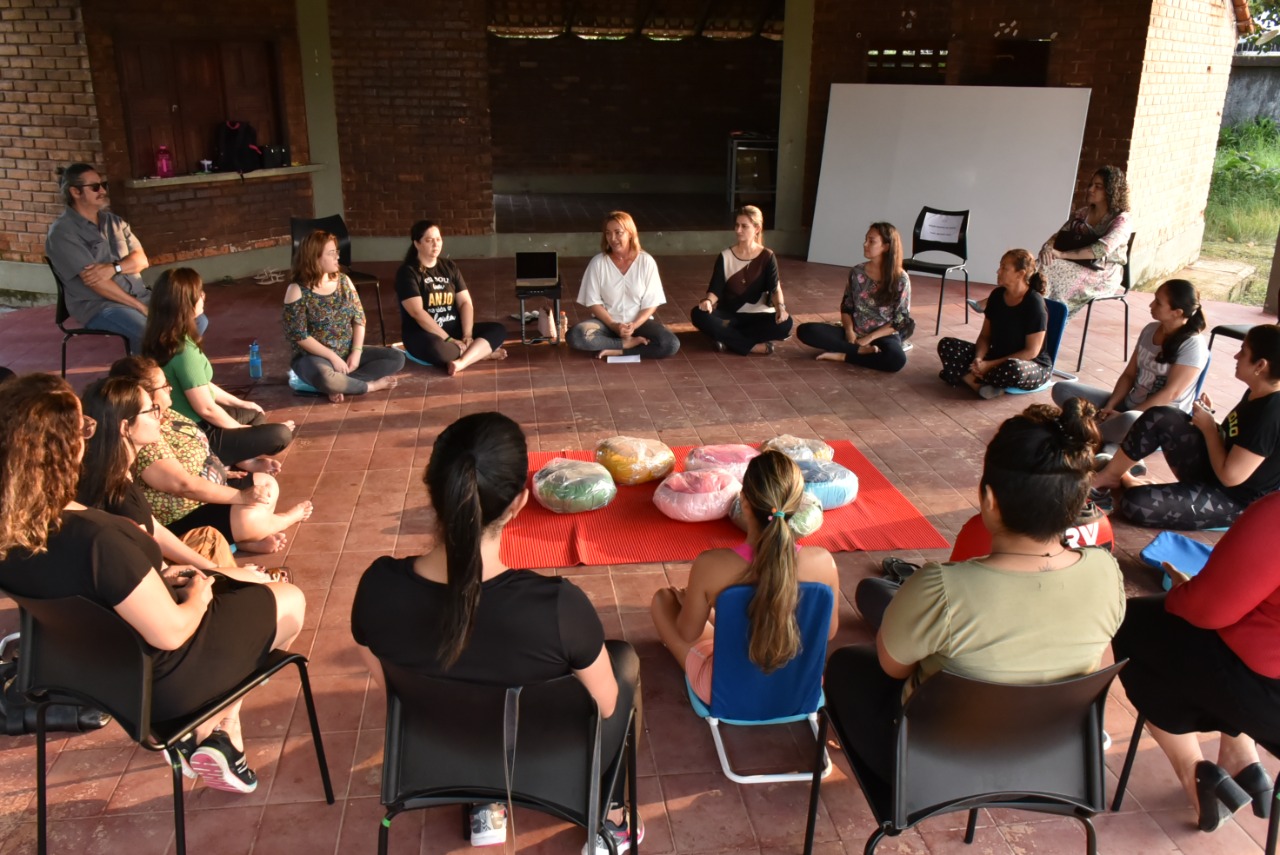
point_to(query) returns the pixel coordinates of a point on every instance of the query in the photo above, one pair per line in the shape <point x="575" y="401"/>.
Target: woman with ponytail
<point x="1010" y="350"/>
<point x="1162" y="371"/>
<point x="1032" y="611"/>
<point x="770" y="559"/>
<point x="459" y="613"/>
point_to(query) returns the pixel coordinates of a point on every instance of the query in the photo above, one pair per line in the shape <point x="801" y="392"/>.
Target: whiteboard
<point x="1008" y="154"/>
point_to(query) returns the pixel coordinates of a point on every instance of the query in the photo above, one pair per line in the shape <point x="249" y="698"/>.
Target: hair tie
<point x="777" y="514"/>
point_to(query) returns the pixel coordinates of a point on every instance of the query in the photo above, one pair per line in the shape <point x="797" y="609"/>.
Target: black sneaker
<point x="1102" y="499"/>
<point x="223" y="766"/>
<point x="488" y="824"/>
<point x="1138" y="469"/>
<point x="184" y="748"/>
<point x="897" y="570"/>
<point x="621" y="836"/>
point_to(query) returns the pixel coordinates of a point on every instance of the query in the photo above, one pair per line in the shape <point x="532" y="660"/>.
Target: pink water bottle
<point x="164" y="162"/>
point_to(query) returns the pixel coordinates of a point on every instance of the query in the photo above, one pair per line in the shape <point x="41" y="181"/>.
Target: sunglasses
<point x="95" y="186"/>
<point x="87" y="426"/>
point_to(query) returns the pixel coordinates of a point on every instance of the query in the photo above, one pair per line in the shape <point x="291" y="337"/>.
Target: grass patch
<point x="1244" y="195"/>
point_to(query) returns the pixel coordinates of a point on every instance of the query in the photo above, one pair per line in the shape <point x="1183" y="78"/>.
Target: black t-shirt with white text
<point x="1254" y="425"/>
<point x="437" y="286"/>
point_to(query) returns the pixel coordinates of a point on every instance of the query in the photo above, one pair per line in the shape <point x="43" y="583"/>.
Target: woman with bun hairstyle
<point x="1162" y="371"/>
<point x="769" y="559"/>
<point x="207" y="633"/>
<point x="459" y="613"/>
<point x="324" y="322"/>
<point x="875" y="311"/>
<point x="1032" y="611"/>
<point x="1010" y="350"/>
<point x="437" y="315"/>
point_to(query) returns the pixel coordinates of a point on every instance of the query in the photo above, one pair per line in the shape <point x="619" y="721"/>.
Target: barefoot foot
<point x="605" y="354"/>
<point x="336" y="398"/>
<point x="384" y="383"/>
<point x="266" y="465"/>
<point x="270" y="543"/>
<point x="830" y="356"/>
<point x="500" y="353"/>
<point x="297" y="513"/>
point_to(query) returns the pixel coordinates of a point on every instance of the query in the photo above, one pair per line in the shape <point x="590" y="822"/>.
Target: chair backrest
<point x="1204" y="374"/>
<point x="740" y="691"/>
<point x="60" y="313"/>
<point x="960" y="738"/>
<point x="444" y="741"/>
<point x="76" y="648"/>
<point x="299" y="228"/>
<point x="1054" y="331"/>
<point x="1126" y="281"/>
<point x="944" y="231"/>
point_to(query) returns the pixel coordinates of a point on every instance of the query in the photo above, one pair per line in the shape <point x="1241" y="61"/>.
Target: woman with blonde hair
<point x="744" y="310"/>
<point x="324" y="322"/>
<point x="622" y="290"/>
<point x="238" y="430"/>
<point x="769" y="559"/>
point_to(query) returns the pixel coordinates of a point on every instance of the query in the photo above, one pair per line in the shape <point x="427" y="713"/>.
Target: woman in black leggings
<point x="1220" y="468"/>
<point x="437" y="316"/>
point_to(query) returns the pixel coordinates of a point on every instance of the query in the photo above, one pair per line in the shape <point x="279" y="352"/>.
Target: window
<point x="176" y="93"/>
<point x="907" y="62"/>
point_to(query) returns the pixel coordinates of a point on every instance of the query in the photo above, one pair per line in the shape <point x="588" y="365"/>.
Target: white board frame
<point x="1007" y="154"/>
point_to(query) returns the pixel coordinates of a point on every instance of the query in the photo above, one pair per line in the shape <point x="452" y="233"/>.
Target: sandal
<point x="897" y="570"/>
<point x="279" y="574"/>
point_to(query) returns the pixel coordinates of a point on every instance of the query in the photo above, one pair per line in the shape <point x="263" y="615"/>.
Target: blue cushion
<point x="409" y="356"/>
<point x="296" y="384"/>
<point x="830" y="483"/>
<point x="1182" y="552"/>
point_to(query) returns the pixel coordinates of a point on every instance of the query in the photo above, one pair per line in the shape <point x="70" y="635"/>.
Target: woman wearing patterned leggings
<point x="1010" y="349"/>
<point x="1220" y="468"/>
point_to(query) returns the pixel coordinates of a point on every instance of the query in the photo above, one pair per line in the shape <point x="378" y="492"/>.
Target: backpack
<point x="236" y="145"/>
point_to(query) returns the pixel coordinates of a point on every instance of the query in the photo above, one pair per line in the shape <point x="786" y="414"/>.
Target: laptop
<point x="537" y="270"/>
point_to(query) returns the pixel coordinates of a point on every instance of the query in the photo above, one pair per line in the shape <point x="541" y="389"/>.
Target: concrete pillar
<point x="788" y="234"/>
<point x="322" y="115"/>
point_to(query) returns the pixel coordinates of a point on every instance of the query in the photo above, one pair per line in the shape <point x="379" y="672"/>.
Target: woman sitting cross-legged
<point x="875" y="311"/>
<point x="325" y="325"/>
<point x="1220" y="468"/>
<point x="1032" y="611"/>
<point x="127" y="420"/>
<point x="1162" y="371"/>
<point x="238" y="430"/>
<point x="437" y="315"/>
<point x="187" y="486"/>
<point x="1206" y="658"/>
<point x="622" y="289"/>
<point x="1010" y="350"/>
<point x="744" y="310"/>
<point x="769" y="559"/>
<point x="459" y="613"/>
<point x="207" y="633"/>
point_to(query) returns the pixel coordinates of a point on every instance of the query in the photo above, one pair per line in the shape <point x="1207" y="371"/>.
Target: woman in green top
<point x="238" y="430"/>
<point x="324" y="322"/>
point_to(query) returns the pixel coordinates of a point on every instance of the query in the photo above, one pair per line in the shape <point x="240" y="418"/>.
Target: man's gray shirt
<point x="74" y="243"/>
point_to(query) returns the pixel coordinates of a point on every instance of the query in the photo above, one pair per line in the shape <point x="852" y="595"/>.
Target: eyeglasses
<point x="153" y="410"/>
<point x="95" y="186"/>
<point x="167" y="387"/>
<point x="87" y="426"/>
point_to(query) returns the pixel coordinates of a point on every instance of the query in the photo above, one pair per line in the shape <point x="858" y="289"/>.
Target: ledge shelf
<point x="215" y="177"/>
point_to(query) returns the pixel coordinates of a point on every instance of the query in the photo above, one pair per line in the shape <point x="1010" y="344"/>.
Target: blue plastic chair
<point x="1052" y="341"/>
<point x="409" y="356"/>
<point x="1204" y="374"/>
<point x="742" y="694"/>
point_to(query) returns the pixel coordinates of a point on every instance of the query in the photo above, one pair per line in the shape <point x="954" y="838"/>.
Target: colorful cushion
<point x="805" y="521"/>
<point x="573" y="486"/>
<point x="698" y="495"/>
<point x="799" y="449"/>
<point x="830" y="483"/>
<point x="732" y="457"/>
<point x="632" y="460"/>
<point x="296" y="384"/>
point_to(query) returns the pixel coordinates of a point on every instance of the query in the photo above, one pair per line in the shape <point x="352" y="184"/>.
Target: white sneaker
<point x="488" y="824"/>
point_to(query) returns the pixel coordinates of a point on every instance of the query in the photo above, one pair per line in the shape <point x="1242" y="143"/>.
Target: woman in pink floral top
<point x="1085" y="258"/>
<point x="875" y="312"/>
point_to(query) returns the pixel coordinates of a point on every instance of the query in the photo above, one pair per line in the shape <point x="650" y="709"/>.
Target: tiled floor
<point x="361" y="462"/>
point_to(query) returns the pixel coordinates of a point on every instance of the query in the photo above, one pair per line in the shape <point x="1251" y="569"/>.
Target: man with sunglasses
<point x="98" y="258"/>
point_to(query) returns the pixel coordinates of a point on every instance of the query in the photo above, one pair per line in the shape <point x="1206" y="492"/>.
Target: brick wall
<point x="569" y="106"/>
<point x="411" y="87"/>
<point x="1175" y="129"/>
<point x="47" y="117"/>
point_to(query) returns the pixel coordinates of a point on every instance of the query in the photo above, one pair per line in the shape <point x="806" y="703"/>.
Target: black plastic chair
<point x="299" y="228"/>
<point x="445" y="744"/>
<point x="75" y="650"/>
<point x="967" y="744"/>
<point x="1126" y="283"/>
<point x="1273" y="825"/>
<point x="958" y="247"/>
<point x="61" y="316"/>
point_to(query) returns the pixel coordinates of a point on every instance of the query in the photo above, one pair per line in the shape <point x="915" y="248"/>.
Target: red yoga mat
<point x="631" y="529"/>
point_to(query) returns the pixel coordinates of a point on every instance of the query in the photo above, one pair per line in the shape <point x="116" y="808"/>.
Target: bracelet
<point x="448" y="339"/>
<point x="354" y="349"/>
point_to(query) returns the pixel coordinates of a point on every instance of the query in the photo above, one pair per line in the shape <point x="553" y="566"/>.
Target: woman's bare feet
<point x="605" y="354"/>
<point x="270" y="543"/>
<point x="336" y="398"/>
<point x="389" y="382"/>
<point x="499" y="354"/>
<point x="633" y="341"/>
<point x="266" y="465"/>
<point x="830" y="356"/>
<point x="297" y="513"/>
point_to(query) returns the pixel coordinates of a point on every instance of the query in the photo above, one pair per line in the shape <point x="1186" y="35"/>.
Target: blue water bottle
<point x="255" y="362"/>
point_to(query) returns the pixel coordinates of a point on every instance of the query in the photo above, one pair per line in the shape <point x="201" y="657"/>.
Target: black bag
<point x="237" y="148"/>
<point x="908" y="329"/>
<point x="275" y="156"/>
<point x="19" y="714"/>
<point x="1068" y="241"/>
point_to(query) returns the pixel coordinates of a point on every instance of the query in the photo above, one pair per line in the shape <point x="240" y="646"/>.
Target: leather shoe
<point x="1218" y="795"/>
<point x="1257" y="783"/>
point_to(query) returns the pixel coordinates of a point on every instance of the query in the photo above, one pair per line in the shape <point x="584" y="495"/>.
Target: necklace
<point x="1031" y="554"/>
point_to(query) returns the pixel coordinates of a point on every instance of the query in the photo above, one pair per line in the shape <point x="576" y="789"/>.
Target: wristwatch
<point x="116" y="265"/>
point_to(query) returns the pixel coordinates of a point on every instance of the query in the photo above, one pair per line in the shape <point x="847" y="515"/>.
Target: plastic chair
<point x="743" y="695"/>
<point x="966" y="744"/>
<point x="1273" y="824"/>
<point x="446" y="743"/>
<point x="1126" y="284"/>
<point x="75" y="650"/>
<point x="959" y="247"/>
<point x="1236" y="331"/>
<point x="1204" y="375"/>
<point x="61" y="316"/>
<point x="299" y="228"/>
<point x="1052" y="341"/>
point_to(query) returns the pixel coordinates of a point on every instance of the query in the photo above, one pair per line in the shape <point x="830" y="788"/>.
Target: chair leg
<point x="966" y="296"/>
<point x="972" y="827"/>
<point x="1211" y="335"/>
<point x="315" y="730"/>
<point x="1125" y="354"/>
<point x="179" y="808"/>
<point x="382" y="325"/>
<point x="1128" y="762"/>
<point x="632" y="780"/>
<point x="942" y="292"/>
<point x="1090" y="834"/>
<point x="1088" y="313"/>
<point x="42" y="801"/>
<point x="873" y="841"/>
<point x="815" y="786"/>
<point x="1273" y="826"/>
<point x="64" y="356"/>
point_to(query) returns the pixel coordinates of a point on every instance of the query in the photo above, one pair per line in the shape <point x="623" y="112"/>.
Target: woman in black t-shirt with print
<point x="205" y="635"/>
<point x="1010" y="350"/>
<point x="459" y="613"/>
<point x="437" y="315"/>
